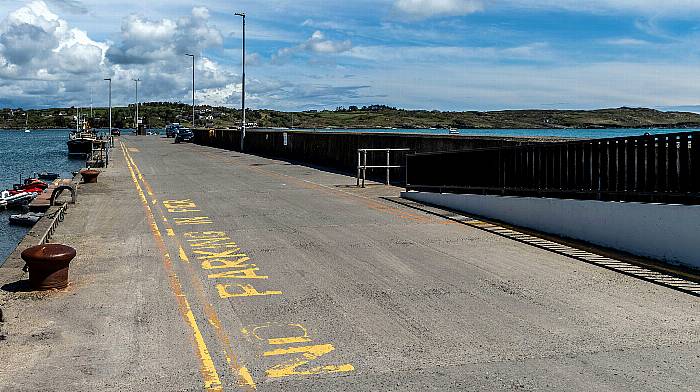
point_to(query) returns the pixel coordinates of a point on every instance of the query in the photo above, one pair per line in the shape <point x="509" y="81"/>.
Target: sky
<point x="314" y="54"/>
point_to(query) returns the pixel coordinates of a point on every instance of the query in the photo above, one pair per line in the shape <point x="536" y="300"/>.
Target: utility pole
<point x="193" y="89"/>
<point x="110" y="104"/>
<point x="136" y="119"/>
<point x="242" y="15"/>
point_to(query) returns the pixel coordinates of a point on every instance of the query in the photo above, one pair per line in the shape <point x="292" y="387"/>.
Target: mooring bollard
<point x="89" y="175"/>
<point x="48" y="265"/>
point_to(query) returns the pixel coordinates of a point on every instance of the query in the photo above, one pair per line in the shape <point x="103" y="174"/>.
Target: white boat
<point x="26" y="120"/>
<point x="16" y="200"/>
<point x="454" y="131"/>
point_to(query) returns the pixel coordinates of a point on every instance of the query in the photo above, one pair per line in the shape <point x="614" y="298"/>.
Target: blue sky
<point x="312" y="54"/>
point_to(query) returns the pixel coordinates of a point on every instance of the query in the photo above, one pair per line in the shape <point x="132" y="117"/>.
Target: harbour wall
<point x="338" y="150"/>
<point x="666" y="232"/>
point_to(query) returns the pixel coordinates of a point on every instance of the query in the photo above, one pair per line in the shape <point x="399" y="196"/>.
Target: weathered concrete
<point x="338" y="150"/>
<point x="406" y="301"/>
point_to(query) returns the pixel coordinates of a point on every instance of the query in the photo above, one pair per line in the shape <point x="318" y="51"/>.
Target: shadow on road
<point x="20" y="286"/>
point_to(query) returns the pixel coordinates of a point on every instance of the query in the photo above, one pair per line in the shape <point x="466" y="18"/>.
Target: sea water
<point x="23" y="154"/>
<point x="566" y="133"/>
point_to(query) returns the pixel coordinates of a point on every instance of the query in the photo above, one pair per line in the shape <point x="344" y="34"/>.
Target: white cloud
<point x="317" y="43"/>
<point x="536" y="52"/>
<point x="421" y="9"/>
<point x="144" y="41"/>
<point x="36" y="44"/>
<point x="626" y="42"/>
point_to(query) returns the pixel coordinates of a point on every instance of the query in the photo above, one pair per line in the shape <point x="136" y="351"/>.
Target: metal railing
<point x="57" y="217"/>
<point x="362" y="165"/>
<point x="651" y="168"/>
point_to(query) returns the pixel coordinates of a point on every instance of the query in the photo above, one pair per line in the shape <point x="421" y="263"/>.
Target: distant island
<point x="158" y="114"/>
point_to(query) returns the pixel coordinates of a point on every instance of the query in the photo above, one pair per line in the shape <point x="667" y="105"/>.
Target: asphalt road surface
<point x="205" y="269"/>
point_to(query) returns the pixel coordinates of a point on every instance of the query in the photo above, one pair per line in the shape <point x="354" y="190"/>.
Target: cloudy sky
<point x="309" y="54"/>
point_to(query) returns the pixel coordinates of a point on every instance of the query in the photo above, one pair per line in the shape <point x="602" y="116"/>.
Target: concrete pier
<point x="205" y="269"/>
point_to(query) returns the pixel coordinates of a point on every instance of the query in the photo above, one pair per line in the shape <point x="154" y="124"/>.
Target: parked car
<point x="171" y="130"/>
<point x="184" y="135"/>
<point x="115" y="132"/>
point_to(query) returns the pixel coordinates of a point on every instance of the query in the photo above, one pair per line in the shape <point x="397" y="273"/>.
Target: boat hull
<point x="79" y="146"/>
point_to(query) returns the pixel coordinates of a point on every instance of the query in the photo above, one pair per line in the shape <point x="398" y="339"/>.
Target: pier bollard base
<point x="89" y="176"/>
<point x="48" y="265"/>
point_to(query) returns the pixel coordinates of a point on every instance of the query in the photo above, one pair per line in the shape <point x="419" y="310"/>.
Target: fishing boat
<point x="28" y="219"/>
<point x="80" y="141"/>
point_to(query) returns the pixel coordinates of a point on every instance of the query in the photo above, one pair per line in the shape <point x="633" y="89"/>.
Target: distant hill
<point x="158" y="114"/>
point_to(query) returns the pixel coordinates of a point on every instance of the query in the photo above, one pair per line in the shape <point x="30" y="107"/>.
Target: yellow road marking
<point x="207" y="367"/>
<point x="183" y="255"/>
<point x="244" y="378"/>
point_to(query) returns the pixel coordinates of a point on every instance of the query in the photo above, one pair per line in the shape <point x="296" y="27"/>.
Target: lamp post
<point x="193" y="90"/>
<point x="242" y="15"/>
<point x="136" y="119"/>
<point x="110" y="103"/>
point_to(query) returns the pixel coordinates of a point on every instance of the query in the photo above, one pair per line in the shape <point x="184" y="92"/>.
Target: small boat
<point x="16" y="199"/>
<point x="454" y="131"/>
<point x="46" y="176"/>
<point x="28" y="219"/>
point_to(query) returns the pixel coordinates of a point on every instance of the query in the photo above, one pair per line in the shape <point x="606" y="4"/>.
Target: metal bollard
<point x="48" y="265"/>
<point x="89" y="175"/>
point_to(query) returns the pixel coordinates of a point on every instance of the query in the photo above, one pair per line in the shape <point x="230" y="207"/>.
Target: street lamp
<point x="193" y="90"/>
<point x="242" y="15"/>
<point x="136" y="119"/>
<point x="110" y="103"/>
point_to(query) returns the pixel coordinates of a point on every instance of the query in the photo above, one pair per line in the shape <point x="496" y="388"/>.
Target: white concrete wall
<point x="661" y="231"/>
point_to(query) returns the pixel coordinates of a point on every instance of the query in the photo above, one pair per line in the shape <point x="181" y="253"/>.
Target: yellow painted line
<point x="207" y="367"/>
<point x="183" y="255"/>
<point x="244" y="378"/>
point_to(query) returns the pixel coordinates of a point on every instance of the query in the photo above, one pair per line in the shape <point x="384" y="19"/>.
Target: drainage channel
<point x="660" y="278"/>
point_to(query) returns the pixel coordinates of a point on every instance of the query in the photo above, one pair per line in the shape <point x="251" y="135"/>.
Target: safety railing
<point x="56" y="218"/>
<point x="661" y="168"/>
<point x="362" y="165"/>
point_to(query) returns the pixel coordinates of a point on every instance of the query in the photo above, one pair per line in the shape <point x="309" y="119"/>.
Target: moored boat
<point x="46" y="176"/>
<point x="16" y="199"/>
<point x="80" y="145"/>
<point x="28" y="219"/>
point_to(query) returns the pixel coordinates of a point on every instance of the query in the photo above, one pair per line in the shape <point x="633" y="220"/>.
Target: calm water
<point x="24" y="154"/>
<point x="572" y="133"/>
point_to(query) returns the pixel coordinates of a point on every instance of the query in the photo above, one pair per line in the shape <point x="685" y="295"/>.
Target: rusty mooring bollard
<point x="89" y="175"/>
<point x="48" y="265"/>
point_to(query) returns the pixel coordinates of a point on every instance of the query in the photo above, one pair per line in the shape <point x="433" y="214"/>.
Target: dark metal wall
<point x="660" y="168"/>
<point x="338" y="150"/>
